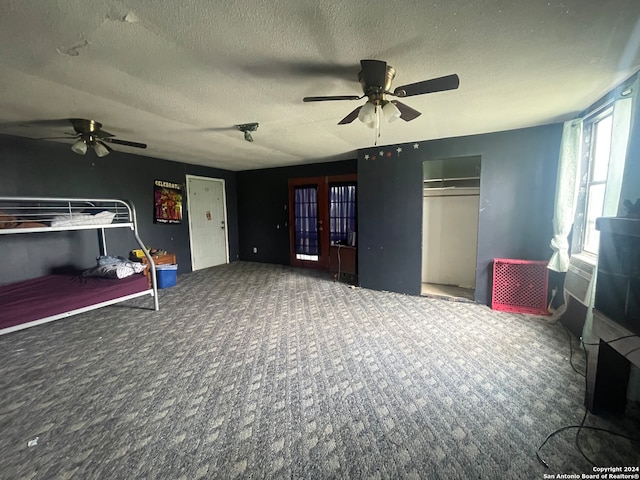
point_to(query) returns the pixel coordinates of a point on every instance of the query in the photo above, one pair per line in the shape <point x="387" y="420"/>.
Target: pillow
<point x="104" y="217"/>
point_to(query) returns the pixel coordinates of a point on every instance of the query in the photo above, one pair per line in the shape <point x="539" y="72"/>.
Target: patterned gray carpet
<point x="263" y="371"/>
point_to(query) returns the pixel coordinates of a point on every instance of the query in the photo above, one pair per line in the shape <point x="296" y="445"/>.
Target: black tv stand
<point x="616" y="317"/>
<point x="609" y="365"/>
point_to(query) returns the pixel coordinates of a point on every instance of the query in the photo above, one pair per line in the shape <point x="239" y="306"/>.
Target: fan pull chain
<point x="377" y="129"/>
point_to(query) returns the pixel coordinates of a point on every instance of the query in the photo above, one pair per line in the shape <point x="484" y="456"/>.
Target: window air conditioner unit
<point x="579" y="280"/>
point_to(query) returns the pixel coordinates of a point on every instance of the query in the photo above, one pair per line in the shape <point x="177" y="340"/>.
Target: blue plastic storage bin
<point x="167" y="275"/>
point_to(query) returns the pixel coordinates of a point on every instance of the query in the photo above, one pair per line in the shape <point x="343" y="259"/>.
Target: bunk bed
<point x="62" y="294"/>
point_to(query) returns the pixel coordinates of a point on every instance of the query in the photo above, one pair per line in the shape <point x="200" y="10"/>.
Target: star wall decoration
<point x="387" y="153"/>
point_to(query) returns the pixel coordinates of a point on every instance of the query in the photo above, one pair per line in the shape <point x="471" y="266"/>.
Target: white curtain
<point x="566" y="194"/>
<point x="619" y="142"/>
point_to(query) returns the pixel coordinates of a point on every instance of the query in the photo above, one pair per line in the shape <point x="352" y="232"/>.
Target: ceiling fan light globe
<point x="367" y="114"/>
<point x="80" y="147"/>
<point x="101" y="150"/>
<point x="391" y="112"/>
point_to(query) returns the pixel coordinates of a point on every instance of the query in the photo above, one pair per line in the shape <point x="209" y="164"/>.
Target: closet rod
<point x="454" y="195"/>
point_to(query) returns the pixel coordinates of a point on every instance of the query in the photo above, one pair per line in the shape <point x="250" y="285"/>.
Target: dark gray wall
<point x="517" y="190"/>
<point x="39" y="168"/>
<point x="262" y="197"/>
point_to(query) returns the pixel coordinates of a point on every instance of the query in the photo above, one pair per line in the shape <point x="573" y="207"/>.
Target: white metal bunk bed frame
<point x="42" y="209"/>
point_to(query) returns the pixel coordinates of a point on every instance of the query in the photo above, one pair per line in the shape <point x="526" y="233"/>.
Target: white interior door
<point x="207" y="222"/>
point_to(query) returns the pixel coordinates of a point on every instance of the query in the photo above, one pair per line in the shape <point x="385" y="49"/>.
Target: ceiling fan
<point x="375" y="78"/>
<point x="89" y="133"/>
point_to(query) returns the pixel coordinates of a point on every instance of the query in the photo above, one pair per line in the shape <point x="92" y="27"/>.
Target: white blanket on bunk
<point x="100" y="218"/>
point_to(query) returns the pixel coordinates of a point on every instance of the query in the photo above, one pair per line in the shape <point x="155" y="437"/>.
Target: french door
<point x="308" y="218"/>
<point x="317" y="218"/>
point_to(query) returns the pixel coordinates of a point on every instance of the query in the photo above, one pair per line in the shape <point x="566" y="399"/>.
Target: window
<point x="342" y="214"/>
<point x="604" y="146"/>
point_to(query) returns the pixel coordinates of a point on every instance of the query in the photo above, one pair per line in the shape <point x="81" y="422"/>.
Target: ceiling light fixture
<point x="369" y="114"/>
<point x="80" y="147"/>
<point x="100" y="149"/>
<point x="247" y="128"/>
<point x="391" y="112"/>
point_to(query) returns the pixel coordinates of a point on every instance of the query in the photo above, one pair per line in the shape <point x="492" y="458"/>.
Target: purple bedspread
<point x="54" y="294"/>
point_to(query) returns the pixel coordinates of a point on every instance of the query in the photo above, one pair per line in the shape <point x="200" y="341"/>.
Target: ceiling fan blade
<point x="102" y="134"/>
<point x="274" y="68"/>
<point x="124" y="142"/>
<point x="70" y="136"/>
<point x="406" y="112"/>
<point x="374" y="72"/>
<point x="329" y="98"/>
<point x="215" y="129"/>
<point x="351" y="117"/>
<point x="56" y="123"/>
<point x="440" y="84"/>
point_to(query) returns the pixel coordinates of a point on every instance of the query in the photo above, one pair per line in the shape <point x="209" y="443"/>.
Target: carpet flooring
<point x="262" y="371"/>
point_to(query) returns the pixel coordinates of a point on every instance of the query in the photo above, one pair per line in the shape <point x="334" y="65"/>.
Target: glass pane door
<point x="308" y="217"/>
<point x="306" y="223"/>
<point x="342" y="214"/>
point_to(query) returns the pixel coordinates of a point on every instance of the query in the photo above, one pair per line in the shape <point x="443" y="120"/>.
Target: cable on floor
<point x="571" y="353"/>
<point x="582" y="426"/>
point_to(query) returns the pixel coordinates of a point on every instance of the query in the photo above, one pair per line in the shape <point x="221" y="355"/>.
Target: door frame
<point x="224" y="212"/>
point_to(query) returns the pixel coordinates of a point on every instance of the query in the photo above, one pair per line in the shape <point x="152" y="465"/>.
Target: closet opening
<point x="451" y="202"/>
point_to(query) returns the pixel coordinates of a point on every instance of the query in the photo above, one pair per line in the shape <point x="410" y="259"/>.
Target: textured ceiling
<point x="179" y="75"/>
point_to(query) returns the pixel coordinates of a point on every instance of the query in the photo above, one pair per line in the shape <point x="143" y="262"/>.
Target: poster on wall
<point x="167" y="202"/>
